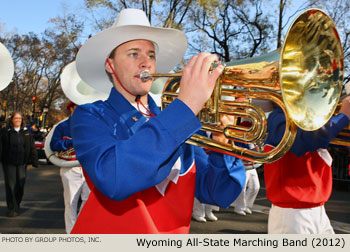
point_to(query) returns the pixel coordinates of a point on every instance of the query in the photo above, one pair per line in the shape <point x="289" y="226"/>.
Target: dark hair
<point x="111" y="56"/>
<point x="9" y="123"/>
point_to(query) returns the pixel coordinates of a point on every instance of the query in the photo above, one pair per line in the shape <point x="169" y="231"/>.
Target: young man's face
<point x="129" y="60"/>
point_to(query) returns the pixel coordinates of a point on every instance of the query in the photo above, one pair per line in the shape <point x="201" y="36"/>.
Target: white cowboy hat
<point x="75" y="89"/>
<point x="6" y="67"/>
<point x="131" y="24"/>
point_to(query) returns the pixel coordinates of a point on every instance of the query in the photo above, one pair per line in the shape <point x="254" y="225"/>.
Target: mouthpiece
<point x="145" y="75"/>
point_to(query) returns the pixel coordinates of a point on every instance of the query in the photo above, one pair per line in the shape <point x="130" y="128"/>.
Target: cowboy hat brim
<point x="171" y="45"/>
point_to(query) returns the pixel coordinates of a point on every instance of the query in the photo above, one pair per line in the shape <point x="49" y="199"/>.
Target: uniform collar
<point x="127" y="112"/>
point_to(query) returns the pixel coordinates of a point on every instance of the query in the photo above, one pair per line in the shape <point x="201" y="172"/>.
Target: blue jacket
<point x="305" y="141"/>
<point x="61" y="138"/>
<point x="123" y="153"/>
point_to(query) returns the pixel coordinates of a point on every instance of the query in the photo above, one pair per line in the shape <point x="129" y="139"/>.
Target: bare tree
<point x="61" y="44"/>
<point x="38" y="65"/>
<point x="162" y="13"/>
<point x="236" y="29"/>
<point x="27" y="54"/>
<point x="284" y="19"/>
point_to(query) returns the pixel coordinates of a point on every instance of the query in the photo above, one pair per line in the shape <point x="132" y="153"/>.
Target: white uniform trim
<point x="324" y="154"/>
<point x="299" y="221"/>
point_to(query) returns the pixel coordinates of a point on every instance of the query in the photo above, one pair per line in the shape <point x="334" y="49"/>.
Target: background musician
<point x="73" y="180"/>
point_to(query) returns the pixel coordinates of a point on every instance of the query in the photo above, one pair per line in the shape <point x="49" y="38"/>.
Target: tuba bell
<point x="80" y="93"/>
<point x="75" y="89"/>
<point x="6" y="67"/>
<point x="304" y="78"/>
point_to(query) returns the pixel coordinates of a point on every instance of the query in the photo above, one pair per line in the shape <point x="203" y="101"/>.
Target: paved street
<point x="42" y="209"/>
<point x="42" y="206"/>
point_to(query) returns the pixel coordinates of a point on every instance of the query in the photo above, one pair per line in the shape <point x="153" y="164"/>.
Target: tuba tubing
<point x="247" y="154"/>
<point x="53" y="156"/>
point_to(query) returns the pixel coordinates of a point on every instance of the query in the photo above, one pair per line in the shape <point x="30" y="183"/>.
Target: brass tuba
<point x="304" y="78"/>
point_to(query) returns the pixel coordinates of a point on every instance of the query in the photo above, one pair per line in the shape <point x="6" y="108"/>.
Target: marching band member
<point x="244" y="203"/>
<point x="143" y="176"/>
<point x="73" y="180"/>
<point x="299" y="184"/>
<point x="202" y="212"/>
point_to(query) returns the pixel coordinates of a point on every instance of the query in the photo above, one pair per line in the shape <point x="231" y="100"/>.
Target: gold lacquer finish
<point x="311" y="70"/>
<point x="67" y="154"/>
<point x="304" y="78"/>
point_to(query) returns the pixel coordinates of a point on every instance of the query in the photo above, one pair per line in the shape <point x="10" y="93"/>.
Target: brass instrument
<point x="304" y="78"/>
<point x="62" y="159"/>
<point x="67" y="154"/>
<point x="7" y="68"/>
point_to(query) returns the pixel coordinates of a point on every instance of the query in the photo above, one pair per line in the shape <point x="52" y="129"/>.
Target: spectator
<point x="37" y="134"/>
<point x="18" y="151"/>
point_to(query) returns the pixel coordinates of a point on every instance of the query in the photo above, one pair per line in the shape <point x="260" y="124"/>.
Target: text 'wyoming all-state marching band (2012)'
<point x="241" y="242"/>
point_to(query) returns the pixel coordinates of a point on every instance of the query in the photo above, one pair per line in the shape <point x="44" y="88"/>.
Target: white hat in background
<point x="7" y="68"/>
